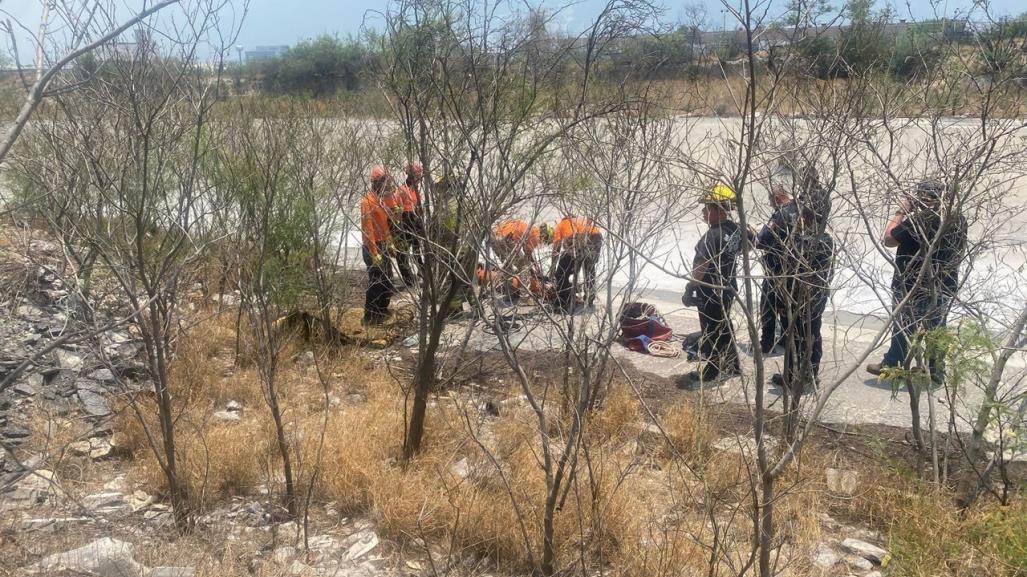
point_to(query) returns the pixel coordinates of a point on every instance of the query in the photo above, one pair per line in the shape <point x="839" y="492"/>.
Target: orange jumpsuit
<point x="374" y="229"/>
<point x="576" y="245"/>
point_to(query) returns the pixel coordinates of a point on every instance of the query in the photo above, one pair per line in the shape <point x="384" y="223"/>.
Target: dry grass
<point x="688" y="432"/>
<point x="488" y="512"/>
<point x="928" y="536"/>
<point x="647" y="507"/>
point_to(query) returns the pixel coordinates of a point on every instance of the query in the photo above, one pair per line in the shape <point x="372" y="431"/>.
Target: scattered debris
<point x="51" y="523"/>
<point x="859" y="563"/>
<point x="283" y="555"/>
<point x="107" y="504"/>
<point x="172" y="572"/>
<point x="104" y="557"/>
<point x="228" y="416"/>
<point x="744" y="445"/>
<point x="825" y="557"/>
<point x="68" y="360"/>
<point x="461" y="468"/>
<point x="35" y="488"/>
<point x="842" y="481"/>
<point x="867" y="551"/>
<point x="361" y="544"/>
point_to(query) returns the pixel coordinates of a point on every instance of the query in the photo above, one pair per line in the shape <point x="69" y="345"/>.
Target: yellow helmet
<point x="721" y="194"/>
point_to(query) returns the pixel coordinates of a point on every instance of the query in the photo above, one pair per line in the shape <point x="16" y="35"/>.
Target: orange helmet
<point x="378" y="173"/>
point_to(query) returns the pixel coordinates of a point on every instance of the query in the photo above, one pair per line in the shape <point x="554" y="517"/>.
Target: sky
<point x="284" y="22"/>
<point x="278" y="22"/>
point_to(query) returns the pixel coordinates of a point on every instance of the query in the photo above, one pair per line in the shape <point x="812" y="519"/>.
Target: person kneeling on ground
<point x="576" y="246"/>
<point x="712" y="289"/>
<point x="376" y="235"/>
<point x="514" y="242"/>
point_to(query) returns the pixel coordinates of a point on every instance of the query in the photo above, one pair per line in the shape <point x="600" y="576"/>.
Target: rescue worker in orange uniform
<point x="376" y="235"/>
<point x="514" y="242"/>
<point x="576" y="245"/>
<point x="404" y="207"/>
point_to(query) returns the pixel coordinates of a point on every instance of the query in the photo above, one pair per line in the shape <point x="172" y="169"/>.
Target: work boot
<point x="692" y="353"/>
<point x="778" y="381"/>
<point x="693" y="380"/>
<point x="689" y="381"/>
<point x="876" y="369"/>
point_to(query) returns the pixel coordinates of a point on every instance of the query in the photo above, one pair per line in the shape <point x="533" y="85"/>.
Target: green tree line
<point x="868" y="41"/>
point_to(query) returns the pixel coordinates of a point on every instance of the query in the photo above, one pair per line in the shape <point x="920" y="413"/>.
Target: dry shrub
<point x="688" y="432"/>
<point x="799" y="505"/>
<point x="658" y="548"/>
<point x="51" y="437"/>
<point x="214" y="459"/>
<point x="727" y="475"/>
<point x="618" y="417"/>
<point x="611" y="507"/>
<point x="358" y="444"/>
<point x="411" y="503"/>
<point x="928" y="536"/>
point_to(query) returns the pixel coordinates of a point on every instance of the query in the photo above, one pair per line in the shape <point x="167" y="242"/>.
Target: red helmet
<point x="378" y="173"/>
<point x="415" y="170"/>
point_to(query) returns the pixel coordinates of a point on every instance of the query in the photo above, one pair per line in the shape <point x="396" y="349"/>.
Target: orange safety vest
<point x="408" y="197"/>
<point x="573" y="226"/>
<point x="374" y="222"/>
<point x="393" y="201"/>
<point x="520" y="233"/>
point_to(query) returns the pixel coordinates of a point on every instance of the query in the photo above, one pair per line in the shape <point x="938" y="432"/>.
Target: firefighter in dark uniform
<point x="929" y="235"/>
<point x="713" y="288"/>
<point x="771" y="240"/>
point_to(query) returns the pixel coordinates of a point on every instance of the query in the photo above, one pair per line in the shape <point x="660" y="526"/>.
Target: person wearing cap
<point x="514" y="241"/>
<point x="771" y="240"/>
<point x="577" y="242"/>
<point x="928" y="234"/>
<point x="404" y="208"/>
<point x="713" y="288"/>
<point x="376" y="236"/>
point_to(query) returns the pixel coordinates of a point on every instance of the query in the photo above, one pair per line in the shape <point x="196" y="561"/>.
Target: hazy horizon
<point x="273" y="22"/>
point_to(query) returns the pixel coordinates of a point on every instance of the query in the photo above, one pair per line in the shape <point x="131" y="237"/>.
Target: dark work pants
<point x="717" y="343"/>
<point x="573" y="264"/>
<point x="918" y="315"/>
<point x="804" y="348"/>
<point x="379" y="286"/>
<point x="407" y="240"/>
<point x="769" y="316"/>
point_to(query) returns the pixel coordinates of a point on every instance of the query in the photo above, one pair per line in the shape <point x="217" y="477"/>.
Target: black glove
<point x="691" y="296"/>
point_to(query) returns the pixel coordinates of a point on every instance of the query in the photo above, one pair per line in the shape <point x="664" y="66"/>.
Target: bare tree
<point x="479" y="103"/>
<point x="87" y="26"/>
<point x="127" y="187"/>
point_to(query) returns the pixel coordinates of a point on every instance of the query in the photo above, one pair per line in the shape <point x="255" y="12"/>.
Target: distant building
<point x="261" y="53"/>
<point x="765" y="37"/>
<point x="122" y="51"/>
